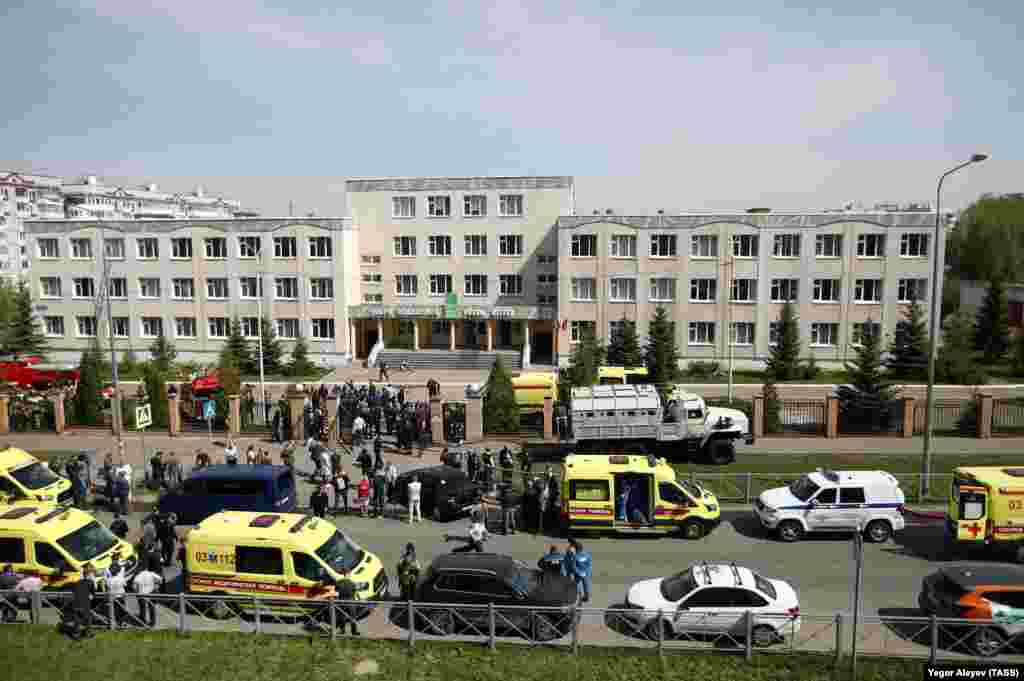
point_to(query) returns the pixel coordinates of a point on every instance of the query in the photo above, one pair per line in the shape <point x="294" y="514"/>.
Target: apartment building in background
<point x="24" y="197"/>
<point x="88" y="199"/>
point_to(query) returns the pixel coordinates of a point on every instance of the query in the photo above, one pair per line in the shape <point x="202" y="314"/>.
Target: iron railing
<point x="1008" y="417"/>
<point x="798" y="417"/>
<point x="948" y="418"/>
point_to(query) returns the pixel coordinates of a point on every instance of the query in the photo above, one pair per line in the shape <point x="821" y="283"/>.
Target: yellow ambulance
<point x="622" y="375"/>
<point x="38" y="540"/>
<point x="25" y="480"/>
<point x="289" y="558"/>
<point x="531" y="388"/>
<point x="986" y="508"/>
<point x="633" y="494"/>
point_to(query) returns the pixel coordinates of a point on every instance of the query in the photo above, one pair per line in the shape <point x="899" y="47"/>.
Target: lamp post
<point x="933" y="320"/>
<point x="116" y="422"/>
<point x="259" y="333"/>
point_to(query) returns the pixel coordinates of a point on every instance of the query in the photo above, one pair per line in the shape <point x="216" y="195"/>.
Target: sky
<point x="650" y="105"/>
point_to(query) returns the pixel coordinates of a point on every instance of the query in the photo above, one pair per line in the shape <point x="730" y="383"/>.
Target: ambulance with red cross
<point x="986" y="508"/>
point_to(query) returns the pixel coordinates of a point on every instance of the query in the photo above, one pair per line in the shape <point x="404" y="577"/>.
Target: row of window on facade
<point x="473" y="206"/>
<point x="187" y="328"/>
<point x="440" y="245"/>
<point x="184" y="288"/>
<point x="705" y="290"/>
<point x="214" y="248"/>
<point x="822" y="334"/>
<point x="911" y="245"/>
<point x="474" y="285"/>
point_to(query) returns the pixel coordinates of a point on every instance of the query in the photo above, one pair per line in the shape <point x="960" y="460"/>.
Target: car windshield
<point x="676" y="587"/>
<point x="340" y="553"/>
<point x="88" y="542"/>
<point x="34" y="476"/>
<point x="693" y="488"/>
<point x="765" y="587"/>
<point x="804" y="488"/>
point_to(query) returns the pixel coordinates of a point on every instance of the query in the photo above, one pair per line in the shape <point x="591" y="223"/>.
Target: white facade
<point x="24" y="197"/>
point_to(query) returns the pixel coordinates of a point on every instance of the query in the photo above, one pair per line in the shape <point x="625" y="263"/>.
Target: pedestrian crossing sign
<point x="143" y="416"/>
<point x="209" y="410"/>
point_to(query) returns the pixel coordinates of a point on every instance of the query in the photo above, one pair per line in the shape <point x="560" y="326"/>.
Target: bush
<point x="810" y="370"/>
<point x="967" y="424"/>
<point x="703" y="369"/>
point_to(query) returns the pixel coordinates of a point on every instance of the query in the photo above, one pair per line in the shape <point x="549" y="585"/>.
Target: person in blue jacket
<point x="582" y="567"/>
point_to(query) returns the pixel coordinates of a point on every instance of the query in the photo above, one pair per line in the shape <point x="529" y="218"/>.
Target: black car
<point x="446" y="493"/>
<point x="530" y="603"/>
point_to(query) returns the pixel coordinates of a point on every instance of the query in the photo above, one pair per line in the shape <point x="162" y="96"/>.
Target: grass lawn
<point x="34" y="653"/>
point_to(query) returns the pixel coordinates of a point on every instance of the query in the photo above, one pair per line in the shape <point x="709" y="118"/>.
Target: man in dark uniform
<point x="346" y="592"/>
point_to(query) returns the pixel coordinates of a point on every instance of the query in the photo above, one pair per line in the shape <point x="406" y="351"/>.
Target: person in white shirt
<point x="250" y="456"/>
<point x="358" y="425"/>
<point x="477" y="536"/>
<point x="231" y="452"/>
<point x="146" y="582"/>
<point x="117" y="583"/>
<point x="414" y="489"/>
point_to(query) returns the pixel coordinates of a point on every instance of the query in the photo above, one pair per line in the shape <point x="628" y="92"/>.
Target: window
<point x="828" y="245"/>
<point x="912" y="289"/>
<point x="663" y="289"/>
<point x="114" y="248"/>
<point x="49" y="287"/>
<point x="786" y="245"/>
<point x="84" y="287"/>
<point x="373" y="298"/>
<point x="285" y="247"/>
<point x="406" y="285"/>
<point x="248" y="246"/>
<point x="321" y="288"/>
<point x="371" y="259"/>
<point x="321" y="247"/>
<point x="48" y="248"/>
<point x="511" y="205"/>
<point x="217" y="327"/>
<point x="149" y="287"/>
<point x="323" y="329"/>
<point x="474" y="206"/>
<point x="703" y="290"/>
<point x="147" y="248"/>
<point x="583" y="288"/>
<point x="914" y="246"/>
<point x="547" y="259"/>
<point x="185" y="327"/>
<point x="258" y="560"/>
<point x="862" y="330"/>
<point x="583" y="246"/>
<point x="867" y="290"/>
<point x="476" y="244"/>
<point x="785" y="290"/>
<point x="851" y="495"/>
<point x="12" y="550"/>
<point x="826" y="290"/>
<point x="826" y="496"/>
<point x="405" y="246"/>
<point x="546" y="280"/>
<point x="744" y="245"/>
<point x="589" y="490"/>
<point x="286" y="288"/>
<point x="86" y="326"/>
<point x="251" y="327"/>
<point x="510" y="285"/>
<point x="663" y="246"/>
<point x="54" y="326"/>
<point x="439" y="206"/>
<point x="184" y="289"/>
<point x="823" y="333"/>
<point x="510" y="244"/>
<point x="120" y="326"/>
<point x="372" y="278"/>
<point x="579" y="330"/>
<point x="287" y="328"/>
<point x="307" y="568"/>
<point x="439" y="245"/>
<point x="870" y="245"/>
<point x="743" y="333"/>
<point x="81" y="249"/>
<point x="403" y="206"/>
<point x="476" y="284"/>
<point x="622" y="290"/>
<point x="250" y="287"/>
<point x="216" y="248"/>
<point x="181" y="249"/>
<point x="744" y="290"/>
<point x="217" y="289"/>
<point x="440" y="284"/>
<point x="713" y="597"/>
<point x="702" y="333"/>
<point x="622" y="246"/>
<point x="704" y="246"/>
<point x="47" y="555"/>
<point x="745" y="598"/>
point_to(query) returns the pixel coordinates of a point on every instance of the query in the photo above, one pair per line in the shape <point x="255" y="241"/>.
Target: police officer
<point x="346" y="592"/>
<point x="408" y="572"/>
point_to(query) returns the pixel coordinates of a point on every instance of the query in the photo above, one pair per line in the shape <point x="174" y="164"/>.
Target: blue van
<point x="239" y="487"/>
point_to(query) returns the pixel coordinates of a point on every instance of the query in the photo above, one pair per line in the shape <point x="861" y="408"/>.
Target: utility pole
<point x="104" y="294"/>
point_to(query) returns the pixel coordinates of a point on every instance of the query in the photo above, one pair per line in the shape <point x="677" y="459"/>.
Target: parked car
<point x="223" y="487"/>
<point x="447" y="493"/>
<point x="479" y="579"/>
<point x="712" y="600"/>
<point x="978" y="591"/>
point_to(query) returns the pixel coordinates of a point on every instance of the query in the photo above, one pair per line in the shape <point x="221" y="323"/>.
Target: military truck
<point x="635" y="419"/>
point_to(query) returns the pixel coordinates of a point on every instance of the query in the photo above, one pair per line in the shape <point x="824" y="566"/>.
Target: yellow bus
<point x="622" y="375"/>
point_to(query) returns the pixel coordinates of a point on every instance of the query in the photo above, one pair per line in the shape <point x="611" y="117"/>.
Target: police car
<point x="831" y="501"/>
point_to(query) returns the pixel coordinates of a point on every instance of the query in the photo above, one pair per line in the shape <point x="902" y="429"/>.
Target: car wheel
<point x="763" y="635"/>
<point x="988" y="642"/>
<point x="878" y="531"/>
<point x="659" y="629"/>
<point x="790" y="531"/>
<point x="721" y="452"/>
<point x="693" y="529"/>
<point x="441" y="623"/>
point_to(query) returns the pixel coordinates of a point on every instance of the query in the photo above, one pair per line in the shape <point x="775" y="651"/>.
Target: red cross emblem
<point x="974" y="530"/>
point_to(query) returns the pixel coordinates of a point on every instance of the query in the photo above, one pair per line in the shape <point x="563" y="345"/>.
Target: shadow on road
<point x="747" y="524"/>
<point x="927" y="542"/>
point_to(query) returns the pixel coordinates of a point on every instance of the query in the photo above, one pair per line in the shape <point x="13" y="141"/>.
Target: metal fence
<point x="948" y="418"/>
<point x="745" y="487"/>
<point x="893" y="634"/>
<point x="797" y="417"/>
<point x="1008" y="417"/>
<point x="871" y="418"/>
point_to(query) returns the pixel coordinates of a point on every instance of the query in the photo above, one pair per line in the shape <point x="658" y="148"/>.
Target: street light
<point x="934" y="313"/>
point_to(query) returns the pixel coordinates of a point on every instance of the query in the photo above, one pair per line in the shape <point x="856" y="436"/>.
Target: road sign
<point x="143" y="416"/>
<point x="209" y="410"/>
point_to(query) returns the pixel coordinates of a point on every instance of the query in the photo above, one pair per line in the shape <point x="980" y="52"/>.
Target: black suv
<point x="529" y="603"/>
<point x="446" y="493"/>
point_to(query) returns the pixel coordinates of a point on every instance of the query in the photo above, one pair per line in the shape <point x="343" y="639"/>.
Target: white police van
<point x="832" y="501"/>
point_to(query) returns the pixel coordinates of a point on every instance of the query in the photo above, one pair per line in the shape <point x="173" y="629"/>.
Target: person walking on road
<point x="408" y="571"/>
<point x="319" y="501"/>
<point x="380" y="492"/>
<point x="167" y="535"/>
<point x="582" y="569"/>
<point x="363" y="495"/>
<point x="475" y="540"/>
<point x="414" y="489"/>
<point x="341" y="488"/>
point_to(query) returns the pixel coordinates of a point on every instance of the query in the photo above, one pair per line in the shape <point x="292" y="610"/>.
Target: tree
<point x="129" y="365"/>
<point x="24" y="335"/>
<point x="273" y="353"/>
<point x="662" y="355"/>
<point x="867" y="385"/>
<point x="1018" y="354"/>
<point x="236" y="349"/>
<point x="87" y="404"/>
<point x="501" y="413"/>
<point x="987" y="242"/>
<point x="772" y="408"/>
<point x="955" y="364"/>
<point x="784" y="357"/>
<point x="624" y="346"/>
<point x="992" y="327"/>
<point x="163" y="353"/>
<point x="587" y="355"/>
<point x="155" y="379"/>
<point x="8" y="293"/>
<point x="908" y="352"/>
<point x="300" y="365"/>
